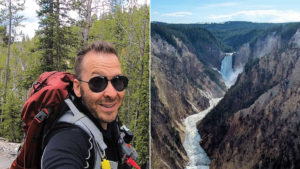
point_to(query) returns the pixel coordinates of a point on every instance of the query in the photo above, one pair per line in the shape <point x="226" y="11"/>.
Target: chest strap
<point x="77" y="118"/>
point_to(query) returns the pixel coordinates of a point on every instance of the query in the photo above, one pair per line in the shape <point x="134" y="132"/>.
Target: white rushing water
<point x="228" y="74"/>
<point x="197" y="156"/>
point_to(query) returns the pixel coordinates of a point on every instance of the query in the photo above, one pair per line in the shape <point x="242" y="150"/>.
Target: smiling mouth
<point x="108" y="105"/>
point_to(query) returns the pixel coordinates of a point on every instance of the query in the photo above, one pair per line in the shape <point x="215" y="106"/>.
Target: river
<point x="197" y="156"/>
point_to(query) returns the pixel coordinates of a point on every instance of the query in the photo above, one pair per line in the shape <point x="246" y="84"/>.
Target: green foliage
<point x="10" y="15"/>
<point x="285" y="31"/>
<point x="54" y="48"/>
<point x="237" y="25"/>
<point x="193" y="35"/>
<point x="167" y="33"/>
<point x="56" y="38"/>
<point x="11" y="117"/>
<point x="238" y="39"/>
<point x="236" y="33"/>
<point x="29" y="61"/>
<point x="3" y="36"/>
<point x="129" y="32"/>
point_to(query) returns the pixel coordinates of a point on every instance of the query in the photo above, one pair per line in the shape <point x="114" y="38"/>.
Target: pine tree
<point x="55" y="34"/>
<point x="57" y="43"/>
<point x="85" y="9"/>
<point x="9" y="16"/>
<point x="128" y="30"/>
<point x="12" y="122"/>
<point x="3" y="36"/>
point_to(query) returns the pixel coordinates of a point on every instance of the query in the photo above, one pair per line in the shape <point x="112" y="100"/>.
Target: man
<point x="99" y="88"/>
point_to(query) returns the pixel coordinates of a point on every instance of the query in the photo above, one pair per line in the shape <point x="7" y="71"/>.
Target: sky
<point x="31" y="22"/>
<point x="218" y="11"/>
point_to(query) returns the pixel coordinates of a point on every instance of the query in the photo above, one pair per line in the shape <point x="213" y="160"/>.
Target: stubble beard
<point x="87" y="103"/>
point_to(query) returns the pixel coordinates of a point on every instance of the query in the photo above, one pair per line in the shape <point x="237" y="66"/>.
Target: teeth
<point x="108" y="106"/>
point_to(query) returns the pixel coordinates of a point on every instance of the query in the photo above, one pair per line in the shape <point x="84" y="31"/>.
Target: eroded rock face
<point x="257" y="124"/>
<point x="266" y="45"/>
<point x="295" y="40"/>
<point x="178" y="80"/>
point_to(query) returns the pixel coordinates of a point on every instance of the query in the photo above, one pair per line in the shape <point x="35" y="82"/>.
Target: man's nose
<point x="110" y="91"/>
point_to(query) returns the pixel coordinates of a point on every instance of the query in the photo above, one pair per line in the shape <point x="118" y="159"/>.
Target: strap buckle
<point x="41" y="116"/>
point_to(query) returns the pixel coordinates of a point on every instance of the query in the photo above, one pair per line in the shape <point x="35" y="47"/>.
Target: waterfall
<point x="228" y="74"/>
<point x="197" y="156"/>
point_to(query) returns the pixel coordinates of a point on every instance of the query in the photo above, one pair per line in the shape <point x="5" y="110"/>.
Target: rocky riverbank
<point x="8" y="152"/>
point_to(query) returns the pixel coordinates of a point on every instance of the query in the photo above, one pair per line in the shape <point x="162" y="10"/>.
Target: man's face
<point x="105" y="104"/>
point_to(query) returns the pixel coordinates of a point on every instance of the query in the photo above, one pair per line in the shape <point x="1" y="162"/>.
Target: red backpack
<point x="41" y="110"/>
<point x="39" y="113"/>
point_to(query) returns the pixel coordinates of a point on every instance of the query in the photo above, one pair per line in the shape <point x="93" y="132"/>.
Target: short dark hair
<point x="98" y="46"/>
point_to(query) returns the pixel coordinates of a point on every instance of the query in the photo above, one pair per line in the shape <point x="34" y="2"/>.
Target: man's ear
<point x="76" y="87"/>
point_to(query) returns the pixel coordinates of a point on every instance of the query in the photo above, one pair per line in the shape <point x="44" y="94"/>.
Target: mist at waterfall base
<point x="198" y="158"/>
<point x="228" y="74"/>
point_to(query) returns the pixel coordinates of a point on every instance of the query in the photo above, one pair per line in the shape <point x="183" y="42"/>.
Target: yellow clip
<point x="105" y="164"/>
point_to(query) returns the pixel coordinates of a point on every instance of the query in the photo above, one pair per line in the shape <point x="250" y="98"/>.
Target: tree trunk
<point x="8" y="52"/>
<point x="49" y="51"/>
<point x="87" y="22"/>
<point x="8" y="55"/>
<point x="57" y="37"/>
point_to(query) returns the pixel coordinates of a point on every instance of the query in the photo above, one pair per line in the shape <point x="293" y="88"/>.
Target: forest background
<point x="55" y="45"/>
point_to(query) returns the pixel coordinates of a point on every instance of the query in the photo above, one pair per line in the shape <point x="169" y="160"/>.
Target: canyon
<point x="256" y="123"/>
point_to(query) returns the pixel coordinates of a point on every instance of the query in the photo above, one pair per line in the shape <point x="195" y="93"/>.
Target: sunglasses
<point x="99" y="83"/>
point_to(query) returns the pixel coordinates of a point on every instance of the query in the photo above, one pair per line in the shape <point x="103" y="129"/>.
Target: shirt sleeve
<point x="68" y="149"/>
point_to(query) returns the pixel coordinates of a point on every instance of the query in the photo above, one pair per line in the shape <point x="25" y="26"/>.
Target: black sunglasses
<point x="99" y="83"/>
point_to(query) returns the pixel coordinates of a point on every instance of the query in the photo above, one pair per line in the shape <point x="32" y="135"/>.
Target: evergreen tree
<point x="3" y="36"/>
<point x="85" y="10"/>
<point x="15" y="94"/>
<point x="11" y="114"/>
<point x="56" y="44"/>
<point x="55" y="34"/>
<point x="9" y="16"/>
<point x="128" y="30"/>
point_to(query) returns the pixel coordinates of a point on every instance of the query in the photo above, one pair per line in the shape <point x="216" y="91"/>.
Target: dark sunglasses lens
<point x="98" y="84"/>
<point x="119" y="83"/>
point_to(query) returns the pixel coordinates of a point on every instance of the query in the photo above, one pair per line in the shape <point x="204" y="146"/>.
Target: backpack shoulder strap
<point x="77" y="118"/>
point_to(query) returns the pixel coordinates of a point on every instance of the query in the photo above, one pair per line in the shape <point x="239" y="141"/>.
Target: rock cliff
<point x="178" y="79"/>
<point x="263" y="43"/>
<point x="257" y="123"/>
